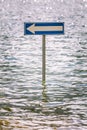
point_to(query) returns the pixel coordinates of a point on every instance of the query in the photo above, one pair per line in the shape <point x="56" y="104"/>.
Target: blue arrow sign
<point x="43" y="28"/>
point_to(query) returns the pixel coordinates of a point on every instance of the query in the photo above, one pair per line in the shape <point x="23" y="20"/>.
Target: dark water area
<point x="25" y="104"/>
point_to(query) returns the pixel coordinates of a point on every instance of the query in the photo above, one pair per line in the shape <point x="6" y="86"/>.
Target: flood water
<point x="25" y="104"/>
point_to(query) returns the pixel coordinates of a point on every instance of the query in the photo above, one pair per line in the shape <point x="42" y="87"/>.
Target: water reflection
<point x="44" y="94"/>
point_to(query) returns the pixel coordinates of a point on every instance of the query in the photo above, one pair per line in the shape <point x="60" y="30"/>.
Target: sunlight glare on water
<point x="24" y="103"/>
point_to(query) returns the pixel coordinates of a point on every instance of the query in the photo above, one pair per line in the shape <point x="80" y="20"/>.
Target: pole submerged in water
<point x="43" y="60"/>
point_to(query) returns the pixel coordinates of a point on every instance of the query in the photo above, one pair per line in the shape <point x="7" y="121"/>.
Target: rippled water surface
<point x="24" y="103"/>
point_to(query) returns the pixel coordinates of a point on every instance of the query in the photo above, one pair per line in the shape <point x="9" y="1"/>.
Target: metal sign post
<point x="43" y="60"/>
<point x="46" y="28"/>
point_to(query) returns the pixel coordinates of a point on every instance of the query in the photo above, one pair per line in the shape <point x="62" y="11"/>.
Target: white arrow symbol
<point x="34" y="28"/>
